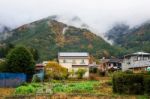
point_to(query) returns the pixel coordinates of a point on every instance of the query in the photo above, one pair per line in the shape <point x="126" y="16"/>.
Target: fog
<point x="100" y="15"/>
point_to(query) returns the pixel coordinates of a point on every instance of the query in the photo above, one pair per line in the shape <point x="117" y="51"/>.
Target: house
<point x="74" y="60"/>
<point x="39" y="68"/>
<point x="110" y="64"/>
<point x="136" y="62"/>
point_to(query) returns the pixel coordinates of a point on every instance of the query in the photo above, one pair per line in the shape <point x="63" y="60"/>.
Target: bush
<point x="102" y="73"/>
<point x="147" y="84"/>
<point x="35" y="78"/>
<point x="55" y="71"/>
<point x="128" y="83"/>
<point x="129" y="72"/>
<point x="80" y="73"/>
<point x="93" y="70"/>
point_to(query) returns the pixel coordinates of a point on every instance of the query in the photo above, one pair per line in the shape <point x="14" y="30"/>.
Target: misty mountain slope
<point x="136" y="39"/>
<point x="117" y="32"/>
<point x="50" y="36"/>
<point x="4" y="32"/>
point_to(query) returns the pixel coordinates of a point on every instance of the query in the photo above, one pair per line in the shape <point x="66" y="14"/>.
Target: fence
<point x="12" y="79"/>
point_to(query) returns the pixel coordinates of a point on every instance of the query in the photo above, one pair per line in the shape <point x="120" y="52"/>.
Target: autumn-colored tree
<point x="55" y="71"/>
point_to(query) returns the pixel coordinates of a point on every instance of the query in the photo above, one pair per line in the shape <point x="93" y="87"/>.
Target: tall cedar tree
<point x="20" y="60"/>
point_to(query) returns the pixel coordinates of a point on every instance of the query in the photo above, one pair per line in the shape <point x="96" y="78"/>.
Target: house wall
<point x="67" y="62"/>
<point x="129" y="62"/>
<point x="74" y="61"/>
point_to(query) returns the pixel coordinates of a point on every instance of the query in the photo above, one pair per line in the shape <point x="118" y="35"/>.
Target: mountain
<point x="50" y="36"/>
<point x="116" y="32"/>
<point x="134" y="39"/>
<point x="4" y="32"/>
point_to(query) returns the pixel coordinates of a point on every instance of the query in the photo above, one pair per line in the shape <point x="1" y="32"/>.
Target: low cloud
<point x="100" y="15"/>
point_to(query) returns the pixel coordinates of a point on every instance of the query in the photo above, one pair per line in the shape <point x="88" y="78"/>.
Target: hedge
<point x="131" y="83"/>
<point x="147" y="84"/>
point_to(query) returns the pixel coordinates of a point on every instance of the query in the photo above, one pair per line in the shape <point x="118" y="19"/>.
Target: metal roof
<point x="72" y="54"/>
<point x="137" y="53"/>
<point x="141" y="53"/>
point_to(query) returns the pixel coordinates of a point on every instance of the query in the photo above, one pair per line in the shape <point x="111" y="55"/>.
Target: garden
<point x="71" y="89"/>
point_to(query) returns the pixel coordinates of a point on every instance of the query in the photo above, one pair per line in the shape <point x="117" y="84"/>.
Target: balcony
<point x="140" y="63"/>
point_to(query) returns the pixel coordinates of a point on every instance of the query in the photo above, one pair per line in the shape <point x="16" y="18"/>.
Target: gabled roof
<point x="72" y="54"/>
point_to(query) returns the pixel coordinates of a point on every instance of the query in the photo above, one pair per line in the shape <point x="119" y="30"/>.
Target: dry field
<point x="6" y="92"/>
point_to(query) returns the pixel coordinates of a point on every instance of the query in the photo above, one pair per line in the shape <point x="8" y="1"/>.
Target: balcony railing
<point x="140" y="63"/>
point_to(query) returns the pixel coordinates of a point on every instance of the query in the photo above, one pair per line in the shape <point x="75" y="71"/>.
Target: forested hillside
<point x="49" y="37"/>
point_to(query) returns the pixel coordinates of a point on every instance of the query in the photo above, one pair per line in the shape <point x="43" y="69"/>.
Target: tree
<point x="20" y="60"/>
<point x="35" y="53"/>
<point x="55" y="71"/>
<point x="80" y="73"/>
<point x="4" y="49"/>
<point x="2" y="66"/>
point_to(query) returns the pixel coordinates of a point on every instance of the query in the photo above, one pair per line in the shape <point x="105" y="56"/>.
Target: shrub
<point x="147" y="84"/>
<point x="35" y="78"/>
<point x="102" y="73"/>
<point x="128" y="83"/>
<point x="129" y="72"/>
<point x="93" y="70"/>
<point x="80" y="73"/>
<point x="55" y="71"/>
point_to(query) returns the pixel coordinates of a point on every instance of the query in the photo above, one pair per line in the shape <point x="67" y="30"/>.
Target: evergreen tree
<point x="20" y="60"/>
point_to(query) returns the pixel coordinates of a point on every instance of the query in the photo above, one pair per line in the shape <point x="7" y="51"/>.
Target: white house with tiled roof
<point x="74" y="61"/>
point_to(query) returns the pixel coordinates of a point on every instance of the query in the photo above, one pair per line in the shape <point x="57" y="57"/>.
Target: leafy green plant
<point x="35" y="78"/>
<point x="80" y="73"/>
<point x="27" y="88"/>
<point x="79" y="87"/>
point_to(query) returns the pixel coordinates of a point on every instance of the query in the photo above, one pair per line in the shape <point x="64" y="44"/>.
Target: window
<point x="145" y="58"/>
<point x="64" y="61"/>
<point x="82" y="62"/>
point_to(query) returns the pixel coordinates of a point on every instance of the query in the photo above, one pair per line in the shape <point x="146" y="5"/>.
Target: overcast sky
<point x="99" y="14"/>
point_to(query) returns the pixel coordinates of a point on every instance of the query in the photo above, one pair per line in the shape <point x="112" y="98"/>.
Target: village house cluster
<point x="136" y="62"/>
